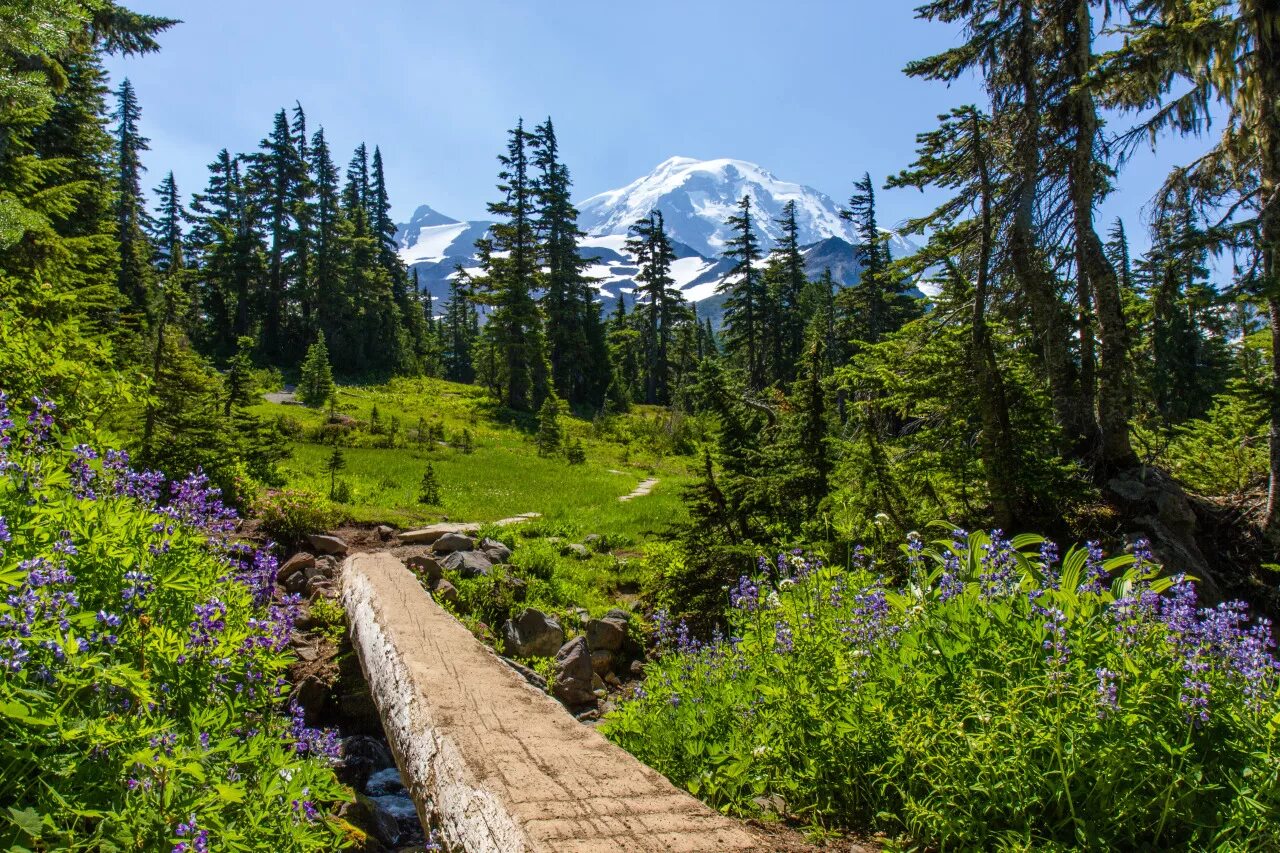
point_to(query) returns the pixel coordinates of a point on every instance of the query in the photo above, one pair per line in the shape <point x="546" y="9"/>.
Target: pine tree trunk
<point x="1096" y="272"/>
<point x="996" y="445"/>
<point x="1266" y="27"/>
<point x="1033" y="279"/>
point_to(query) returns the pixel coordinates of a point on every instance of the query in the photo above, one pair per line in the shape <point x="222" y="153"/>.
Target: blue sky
<point x="810" y="89"/>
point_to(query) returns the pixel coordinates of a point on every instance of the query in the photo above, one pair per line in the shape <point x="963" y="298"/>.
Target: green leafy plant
<point x="289" y="515"/>
<point x="999" y="698"/>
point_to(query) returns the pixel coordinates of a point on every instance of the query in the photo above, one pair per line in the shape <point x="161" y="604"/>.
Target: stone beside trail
<point x="641" y="490"/>
<point x="429" y="534"/>
<point x="498" y="765"/>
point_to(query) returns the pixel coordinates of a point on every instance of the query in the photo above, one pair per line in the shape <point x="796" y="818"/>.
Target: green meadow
<point x="503" y="474"/>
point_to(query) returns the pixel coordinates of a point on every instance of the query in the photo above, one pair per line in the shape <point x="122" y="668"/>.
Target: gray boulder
<point x="601" y="662"/>
<point x="574" y="673"/>
<point x="431" y="533"/>
<point x="495" y="550"/>
<point x="445" y="591"/>
<point x="606" y="634"/>
<point x="469" y="564"/>
<point x="326" y="543"/>
<point x="533" y="634"/>
<point x="451" y="542"/>
<point x="299" y="562"/>
<point x="575" y="549"/>
<point x="427" y="566"/>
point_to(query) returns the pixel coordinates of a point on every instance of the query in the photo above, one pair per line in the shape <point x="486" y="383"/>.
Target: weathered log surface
<point x="496" y="764"/>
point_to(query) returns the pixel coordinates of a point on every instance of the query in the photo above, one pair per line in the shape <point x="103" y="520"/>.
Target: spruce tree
<point x="745" y="308"/>
<point x="877" y="305"/>
<point x="336" y="462"/>
<point x="550" y="433"/>
<point x="275" y="172"/>
<point x="132" y="221"/>
<point x="509" y="258"/>
<point x="575" y="337"/>
<point x="785" y="284"/>
<point x="657" y="302"/>
<point x="429" y="487"/>
<point x="315" y="382"/>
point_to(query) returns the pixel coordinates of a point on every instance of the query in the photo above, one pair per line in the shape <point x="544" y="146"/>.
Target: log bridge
<point x="492" y="763"/>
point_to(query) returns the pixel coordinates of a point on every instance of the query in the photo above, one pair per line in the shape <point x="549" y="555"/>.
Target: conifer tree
<point x="275" y="172"/>
<point x="785" y="282"/>
<point x="301" y="271"/>
<point x="315" y="381"/>
<point x="239" y="379"/>
<point x="877" y="305"/>
<point x="458" y="332"/>
<point x="509" y="258"/>
<point x="228" y="248"/>
<point x="167" y="233"/>
<point x="334" y="309"/>
<point x="658" y="303"/>
<point x="336" y="462"/>
<point x="429" y="487"/>
<point x="745" y="308"/>
<point x="550" y="433"/>
<point x="575" y="337"/>
<point x="132" y="220"/>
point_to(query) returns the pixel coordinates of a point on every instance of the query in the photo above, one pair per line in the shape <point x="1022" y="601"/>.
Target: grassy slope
<point x="504" y="476"/>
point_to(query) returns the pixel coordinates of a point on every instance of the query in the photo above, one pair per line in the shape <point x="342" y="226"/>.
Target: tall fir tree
<point x="509" y="259"/>
<point x="658" y="303"/>
<point x="574" y="331"/>
<point x="745" y="308"/>
<point x="134" y="277"/>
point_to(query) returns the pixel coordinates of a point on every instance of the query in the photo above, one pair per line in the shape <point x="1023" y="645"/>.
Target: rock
<point x="533" y="634"/>
<point x="606" y="634"/>
<point x="370" y="748"/>
<point x="307" y="653"/>
<point x="313" y="571"/>
<point x="361" y="757"/>
<point x="299" y="562"/>
<point x="597" y="684"/>
<point x="619" y="615"/>
<point x="1127" y="487"/>
<point x="326" y="543"/>
<point x="612" y="680"/>
<point x="429" y="534"/>
<point x="373" y="818"/>
<point x="296" y="582"/>
<point x="427" y="566"/>
<point x="574" y="549"/>
<point x="385" y="532"/>
<point x="328" y="566"/>
<point x="321" y="587"/>
<point x="468" y="563"/>
<point x="311" y="694"/>
<point x="495" y="550"/>
<point x="637" y="669"/>
<point x="591" y="539"/>
<point x="601" y="661"/>
<point x="1175" y="511"/>
<point x="445" y="592"/>
<point x="451" y="542"/>
<point x="573" y="673"/>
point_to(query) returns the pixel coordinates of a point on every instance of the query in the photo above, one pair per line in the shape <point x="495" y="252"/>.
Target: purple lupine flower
<point x="40" y="421"/>
<point x="783" y="639"/>
<point x="1093" y="570"/>
<point x="5" y="536"/>
<point x="211" y="620"/>
<point x="745" y="596"/>
<point x="949" y="583"/>
<point x="999" y="563"/>
<point x="194" y="501"/>
<point x="82" y="473"/>
<point x="1106" y="690"/>
<point x="322" y="743"/>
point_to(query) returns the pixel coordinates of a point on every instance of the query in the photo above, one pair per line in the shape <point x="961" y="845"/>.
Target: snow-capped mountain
<point x="696" y="198"/>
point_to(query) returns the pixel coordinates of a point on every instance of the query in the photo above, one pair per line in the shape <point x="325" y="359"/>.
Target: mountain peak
<point x="696" y="198"/>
